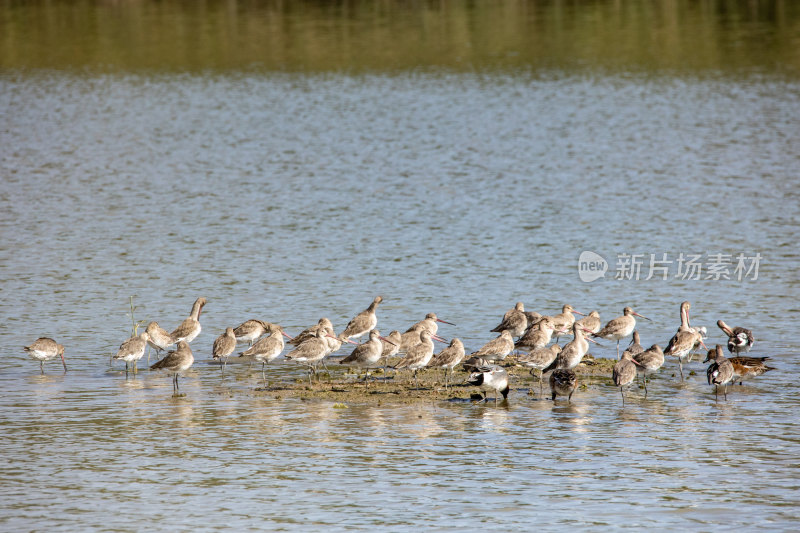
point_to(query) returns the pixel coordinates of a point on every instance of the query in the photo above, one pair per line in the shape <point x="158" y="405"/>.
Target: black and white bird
<point x="491" y="378"/>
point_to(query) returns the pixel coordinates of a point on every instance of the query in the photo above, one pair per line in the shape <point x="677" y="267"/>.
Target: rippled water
<point x="290" y="197"/>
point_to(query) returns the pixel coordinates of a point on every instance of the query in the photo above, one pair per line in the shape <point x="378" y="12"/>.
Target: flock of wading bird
<point x="533" y="333"/>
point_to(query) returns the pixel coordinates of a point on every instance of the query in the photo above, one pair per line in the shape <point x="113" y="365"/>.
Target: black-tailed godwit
<point x="515" y="321"/>
<point x="43" y="349"/>
<point x="176" y="362"/>
<point x="648" y="362"/>
<point x="449" y="358"/>
<point x="418" y="356"/>
<point x="132" y="350"/>
<point x="620" y="327"/>
<point x="223" y="347"/>
<point x="267" y="349"/>
<point x="682" y="343"/>
<point x="250" y="330"/>
<point x="367" y="355"/>
<point x="539" y="359"/>
<point x="190" y="328"/>
<point x="364" y="322"/>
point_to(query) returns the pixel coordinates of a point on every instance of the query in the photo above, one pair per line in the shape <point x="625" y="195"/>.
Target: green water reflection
<point x="353" y="36"/>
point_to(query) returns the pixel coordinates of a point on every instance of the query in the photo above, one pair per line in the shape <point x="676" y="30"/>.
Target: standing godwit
<point x="623" y="373"/>
<point x="491" y="377"/>
<point x="682" y="343"/>
<point x="158" y="339"/>
<point x="267" y="349"/>
<point x="250" y="330"/>
<point x="364" y="322"/>
<point x="745" y="368"/>
<point x="648" y="362"/>
<point x="391" y="348"/>
<point x="635" y="347"/>
<point x="533" y="318"/>
<point x="537" y="337"/>
<point x="539" y="359"/>
<point x="418" y="356"/>
<point x="430" y="323"/>
<point x="189" y="328"/>
<point x="309" y="332"/>
<point x="366" y="355"/>
<point x="591" y="322"/>
<point x="572" y="352"/>
<point x="720" y="372"/>
<point x="224" y="345"/>
<point x="449" y="358"/>
<point x="176" y="362"/>
<point x="334" y="343"/>
<point x="311" y="352"/>
<point x="739" y="339"/>
<point x="563" y="382"/>
<point x="411" y="337"/>
<point x="620" y="327"/>
<point x="43" y="349"/>
<point x="514" y="320"/>
<point x="496" y="349"/>
<point x="132" y="350"/>
<point x="565" y="319"/>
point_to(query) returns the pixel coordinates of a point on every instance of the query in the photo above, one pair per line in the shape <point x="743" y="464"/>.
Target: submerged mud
<point x="350" y="386"/>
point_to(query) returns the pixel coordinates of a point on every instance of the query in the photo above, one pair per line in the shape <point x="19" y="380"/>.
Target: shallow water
<point x="291" y="196"/>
